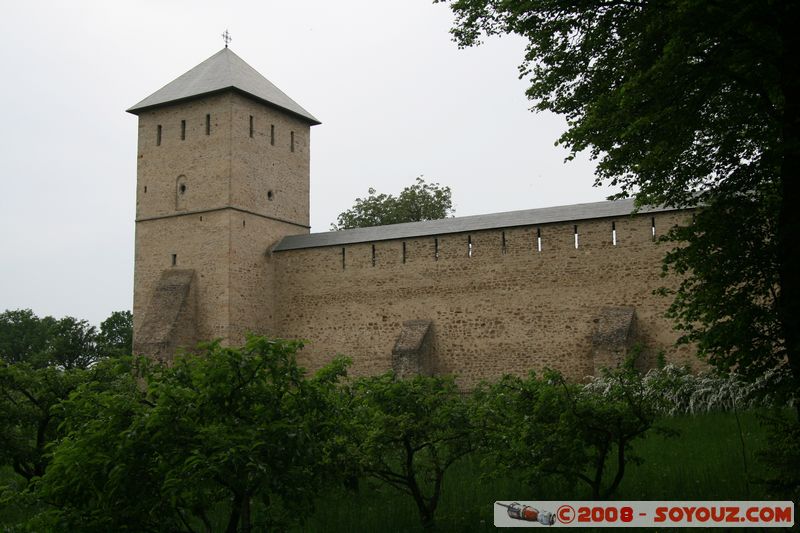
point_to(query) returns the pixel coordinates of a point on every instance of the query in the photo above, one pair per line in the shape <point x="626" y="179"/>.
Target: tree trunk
<point x="620" y="468"/>
<point x="41" y="441"/>
<point x="236" y="507"/>
<point x="599" y="469"/>
<point x="425" y="512"/>
<point x="789" y="216"/>
<point x="246" y="513"/>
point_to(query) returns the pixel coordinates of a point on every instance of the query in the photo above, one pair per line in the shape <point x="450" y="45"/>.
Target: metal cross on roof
<point x="227" y="38"/>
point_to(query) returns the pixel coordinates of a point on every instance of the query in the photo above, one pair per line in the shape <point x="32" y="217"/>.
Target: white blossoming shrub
<point x="675" y="390"/>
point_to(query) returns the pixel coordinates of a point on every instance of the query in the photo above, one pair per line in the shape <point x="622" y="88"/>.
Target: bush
<point x="675" y="390"/>
<point x="194" y="445"/>
<point x="408" y="433"/>
<point x="546" y="426"/>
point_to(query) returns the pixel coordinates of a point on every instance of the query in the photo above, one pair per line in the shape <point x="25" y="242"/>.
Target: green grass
<point x="703" y="463"/>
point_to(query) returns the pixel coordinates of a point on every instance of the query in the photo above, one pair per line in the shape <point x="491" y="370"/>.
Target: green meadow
<point x="705" y="462"/>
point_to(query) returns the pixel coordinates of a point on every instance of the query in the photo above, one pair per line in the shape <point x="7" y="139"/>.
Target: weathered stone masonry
<point x="495" y="312"/>
<point x="222" y="248"/>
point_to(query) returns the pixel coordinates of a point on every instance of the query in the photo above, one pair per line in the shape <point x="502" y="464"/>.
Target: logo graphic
<point x="527" y="513"/>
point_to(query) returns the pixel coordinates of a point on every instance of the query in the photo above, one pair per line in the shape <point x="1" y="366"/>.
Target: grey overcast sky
<point x="396" y="97"/>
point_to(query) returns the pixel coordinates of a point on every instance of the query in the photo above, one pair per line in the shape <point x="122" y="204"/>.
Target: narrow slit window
<point x="343" y="258"/>
<point x="183" y="130"/>
<point x="208" y="124"/>
<point x="436" y="249"/>
<point x="576" y="236"/>
<point x="469" y="245"/>
<point x="272" y="134"/>
<point x="613" y="233"/>
<point x="404" y="252"/>
<point x="201" y="218"/>
<point x="539" y="239"/>
<point x="145" y="189"/>
<point x="158" y="135"/>
<point x="291" y="142"/>
<point x="373" y="255"/>
<point x="251" y="126"/>
<point x="174" y="259"/>
<point x="503" y="242"/>
<point x="243" y="223"/>
<point x="653" y="227"/>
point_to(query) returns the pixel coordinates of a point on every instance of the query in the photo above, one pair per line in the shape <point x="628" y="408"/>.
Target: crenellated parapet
<point x="500" y="298"/>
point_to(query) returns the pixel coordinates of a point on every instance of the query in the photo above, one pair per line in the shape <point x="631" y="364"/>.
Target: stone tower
<point x="222" y="175"/>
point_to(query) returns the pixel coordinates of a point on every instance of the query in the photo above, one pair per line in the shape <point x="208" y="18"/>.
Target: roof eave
<point x="137" y="109"/>
<point x="470" y="223"/>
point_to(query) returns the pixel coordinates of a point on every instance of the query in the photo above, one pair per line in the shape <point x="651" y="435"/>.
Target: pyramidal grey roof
<point x="222" y="71"/>
<point x="510" y="219"/>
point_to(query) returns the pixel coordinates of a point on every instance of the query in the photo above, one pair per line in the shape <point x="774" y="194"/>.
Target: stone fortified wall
<point x="223" y="185"/>
<point x="503" y="307"/>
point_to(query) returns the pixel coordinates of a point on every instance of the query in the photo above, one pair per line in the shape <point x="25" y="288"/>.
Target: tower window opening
<point x="180" y="193"/>
<point x="145" y="189"/>
<point x="183" y="130"/>
<point x="613" y="233"/>
<point x="343" y="258"/>
<point x="201" y="218"/>
<point x="158" y="135"/>
<point x="374" y="260"/>
<point x="251" y="126"/>
<point x="174" y="259"/>
<point x="404" y="252"/>
<point x="539" y="239"/>
<point x="503" y="248"/>
<point x="469" y="245"/>
<point x="208" y="124"/>
<point x="244" y="223"/>
<point x="291" y="142"/>
<point x="436" y="249"/>
<point x="270" y="195"/>
<point x="272" y="134"/>
<point x="653" y="227"/>
<point x="576" y="236"/>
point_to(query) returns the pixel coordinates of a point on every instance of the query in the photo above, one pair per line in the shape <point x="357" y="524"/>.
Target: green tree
<point x="727" y="301"/>
<point x="72" y="344"/>
<point x="66" y="342"/>
<point x="537" y="427"/>
<point x="684" y="103"/>
<point x="24" y="336"/>
<point x="195" y="445"/>
<point x="29" y="416"/>
<point x="43" y="361"/>
<point x="420" y="201"/>
<point x="408" y="433"/>
<point x="116" y="334"/>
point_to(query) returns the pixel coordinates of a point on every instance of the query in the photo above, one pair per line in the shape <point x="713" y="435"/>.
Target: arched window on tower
<point x="181" y="193"/>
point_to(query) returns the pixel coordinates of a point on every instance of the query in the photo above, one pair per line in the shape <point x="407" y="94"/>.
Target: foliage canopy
<point x="171" y="448"/>
<point x="545" y="426"/>
<point x="66" y="342"/>
<point x="409" y="432"/>
<point x="420" y="201"/>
